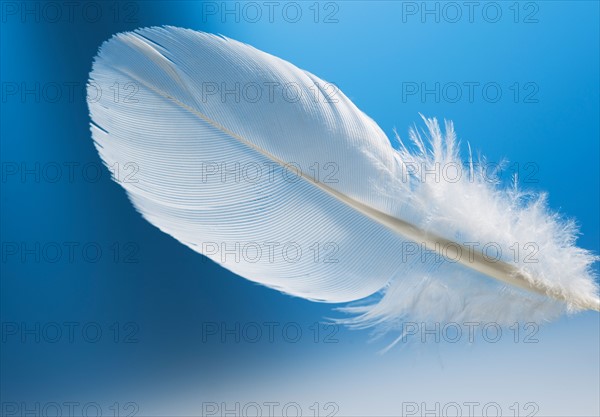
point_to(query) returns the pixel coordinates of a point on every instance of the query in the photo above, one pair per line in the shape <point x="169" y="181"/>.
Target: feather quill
<point x="229" y="142"/>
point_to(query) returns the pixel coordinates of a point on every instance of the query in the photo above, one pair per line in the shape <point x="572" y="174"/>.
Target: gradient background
<point x="164" y="296"/>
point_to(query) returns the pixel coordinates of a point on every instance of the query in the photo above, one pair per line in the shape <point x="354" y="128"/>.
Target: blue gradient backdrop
<point x="160" y="303"/>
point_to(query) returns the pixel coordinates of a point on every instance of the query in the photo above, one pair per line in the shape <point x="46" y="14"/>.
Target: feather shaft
<point x="493" y="268"/>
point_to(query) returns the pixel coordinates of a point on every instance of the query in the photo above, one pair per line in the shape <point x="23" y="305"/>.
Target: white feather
<point x="177" y="135"/>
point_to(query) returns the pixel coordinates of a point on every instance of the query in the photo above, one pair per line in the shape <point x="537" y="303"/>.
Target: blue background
<point x="164" y="296"/>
